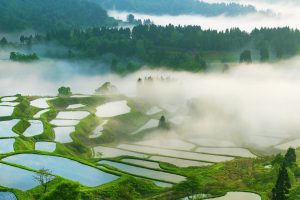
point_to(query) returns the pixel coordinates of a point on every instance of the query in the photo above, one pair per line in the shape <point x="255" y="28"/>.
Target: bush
<point x="64" y="191"/>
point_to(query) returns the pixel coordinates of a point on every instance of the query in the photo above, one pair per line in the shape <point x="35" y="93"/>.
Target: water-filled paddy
<point x="167" y="143"/>
<point x="152" y="123"/>
<point x="264" y="141"/>
<point x="36" y="128"/>
<point x="209" y="142"/>
<point x="143" y="163"/>
<point x="7" y="145"/>
<point x="239" y="196"/>
<point x="9" y="104"/>
<point x="179" y="162"/>
<point x="98" y="130"/>
<point x="62" y="134"/>
<point x="226" y="151"/>
<point x="63" y="167"/>
<point x="72" y="115"/>
<point x="41" y="103"/>
<point x="9" y="99"/>
<point x="75" y="106"/>
<point x="64" y="122"/>
<point x="175" y="153"/>
<point x="45" y="146"/>
<point x="6" y="111"/>
<point x="6" y="128"/>
<point x="38" y="115"/>
<point x="294" y="144"/>
<point x="7" y="196"/>
<point x="108" y="152"/>
<point x="153" y="110"/>
<point x="113" y="109"/>
<point x="173" y="178"/>
<point x="14" y="177"/>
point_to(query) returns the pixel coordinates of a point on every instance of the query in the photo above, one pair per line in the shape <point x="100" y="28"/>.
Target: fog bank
<point x="272" y="14"/>
<point x="254" y="105"/>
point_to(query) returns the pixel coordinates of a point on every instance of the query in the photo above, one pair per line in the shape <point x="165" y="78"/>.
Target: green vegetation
<point x="15" y="56"/>
<point x="43" y="15"/>
<point x="246" y="57"/>
<point x="163" y="123"/>
<point x="64" y="92"/>
<point x="176" y="47"/>
<point x="24" y="110"/>
<point x="106" y="88"/>
<point x="3" y="41"/>
<point x="176" y="7"/>
<point x="65" y="190"/>
<point x="240" y="174"/>
<point x="284" y="183"/>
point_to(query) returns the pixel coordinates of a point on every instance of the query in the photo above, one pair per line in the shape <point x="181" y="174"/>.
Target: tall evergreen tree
<point x="163" y="123"/>
<point x="264" y="54"/>
<point x="290" y="157"/>
<point x="246" y="57"/>
<point x="282" y="186"/>
<point x="3" y="41"/>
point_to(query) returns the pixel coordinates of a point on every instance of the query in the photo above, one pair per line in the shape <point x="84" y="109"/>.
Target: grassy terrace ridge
<point x="240" y="174"/>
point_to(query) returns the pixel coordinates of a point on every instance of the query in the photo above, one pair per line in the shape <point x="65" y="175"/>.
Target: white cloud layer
<point x="274" y="14"/>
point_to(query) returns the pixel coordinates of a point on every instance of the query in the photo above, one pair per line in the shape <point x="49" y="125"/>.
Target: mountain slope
<point x="46" y="15"/>
<point x="176" y="7"/>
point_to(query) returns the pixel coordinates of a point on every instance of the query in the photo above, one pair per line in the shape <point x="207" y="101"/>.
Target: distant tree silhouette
<point x="246" y="57"/>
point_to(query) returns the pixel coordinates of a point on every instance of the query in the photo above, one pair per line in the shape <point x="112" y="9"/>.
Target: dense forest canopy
<point x="46" y="15"/>
<point x="177" y="7"/>
<point x="176" y="46"/>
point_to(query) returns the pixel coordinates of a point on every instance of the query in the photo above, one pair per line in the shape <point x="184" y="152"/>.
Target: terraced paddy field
<point x="113" y="144"/>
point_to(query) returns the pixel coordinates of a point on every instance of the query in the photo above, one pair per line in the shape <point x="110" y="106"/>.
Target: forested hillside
<point x="179" y="47"/>
<point x="43" y="15"/>
<point x="176" y="7"/>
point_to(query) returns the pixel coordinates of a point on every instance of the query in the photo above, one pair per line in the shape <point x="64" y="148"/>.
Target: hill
<point x="43" y="15"/>
<point x="177" y="7"/>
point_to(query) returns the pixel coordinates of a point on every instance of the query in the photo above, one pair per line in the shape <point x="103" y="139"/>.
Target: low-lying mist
<point x="271" y="14"/>
<point x="245" y="102"/>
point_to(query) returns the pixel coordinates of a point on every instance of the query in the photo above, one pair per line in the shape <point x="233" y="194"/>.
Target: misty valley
<point x="154" y="100"/>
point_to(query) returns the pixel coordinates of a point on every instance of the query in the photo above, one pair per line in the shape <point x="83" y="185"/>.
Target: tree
<point x="282" y="186"/>
<point x="246" y="57"/>
<point x="106" y="88"/>
<point x="114" y="65"/>
<point x="264" y="54"/>
<point x="127" y="192"/>
<point x="130" y="18"/>
<point x="188" y="188"/>
<point x="3" y="41"/>
<point x="290" y="157"/>
<point x="64" y="191"/>
<point x="64" y="91"/>
<point x="22" y="39"/>
<point x="163" y="123"/>
<point x="15" y="56"/>
<point x="278" y="160"/>
<point x="43" y="177"/>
